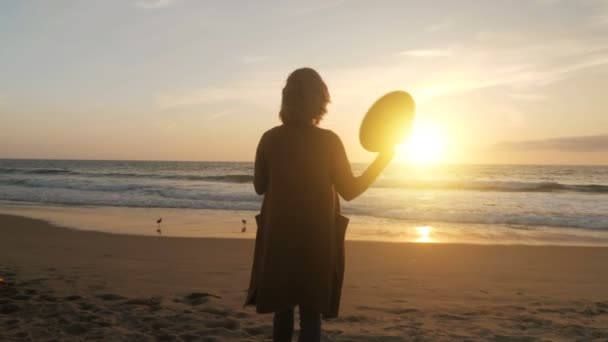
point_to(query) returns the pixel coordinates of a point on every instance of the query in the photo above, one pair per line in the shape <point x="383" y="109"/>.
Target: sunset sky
<point x="498" y="81"/>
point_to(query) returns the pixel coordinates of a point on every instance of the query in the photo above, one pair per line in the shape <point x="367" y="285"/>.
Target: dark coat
<point x="299" y="251"/>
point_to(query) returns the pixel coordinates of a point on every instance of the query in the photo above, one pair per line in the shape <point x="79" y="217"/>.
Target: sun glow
<point x="425" y="145"/>
<point x="424" y="234"/>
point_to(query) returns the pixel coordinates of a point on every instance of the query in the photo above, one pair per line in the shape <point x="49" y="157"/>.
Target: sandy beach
<point x="62" y="284"/>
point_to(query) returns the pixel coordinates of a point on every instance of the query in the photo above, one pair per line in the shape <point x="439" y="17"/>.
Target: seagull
<point x="158" y="222"/>
<point x="244" y="229"/>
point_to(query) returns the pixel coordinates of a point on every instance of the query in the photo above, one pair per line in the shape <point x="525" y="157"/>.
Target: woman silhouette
<point x="300" y="168"/>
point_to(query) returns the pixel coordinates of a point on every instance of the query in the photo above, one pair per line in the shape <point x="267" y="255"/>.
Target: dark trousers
<point x="310" y="326"/>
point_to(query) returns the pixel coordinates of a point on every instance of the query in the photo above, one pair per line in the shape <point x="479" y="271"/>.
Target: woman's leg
<point x="310" y="325"/>
<point x="283" y="326"/>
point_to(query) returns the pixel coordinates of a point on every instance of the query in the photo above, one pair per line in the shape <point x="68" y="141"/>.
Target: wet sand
<point x="63" y="284"/>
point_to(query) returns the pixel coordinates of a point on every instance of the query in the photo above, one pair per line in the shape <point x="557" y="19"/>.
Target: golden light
<point x="424" y="234"/>
<point x="426" y="145"/>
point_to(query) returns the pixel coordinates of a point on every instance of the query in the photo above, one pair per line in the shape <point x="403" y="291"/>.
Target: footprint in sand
<point x="196" y="298"/>
<point x="110" y="297"/>
<point x="72" y="298"/>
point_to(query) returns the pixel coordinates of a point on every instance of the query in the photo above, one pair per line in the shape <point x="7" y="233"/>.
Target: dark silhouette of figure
<point x="301" y="169"/>
<point x="244" y="222"/>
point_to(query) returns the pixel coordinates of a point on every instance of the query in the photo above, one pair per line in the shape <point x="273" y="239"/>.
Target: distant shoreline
<point x="251" y="161"/>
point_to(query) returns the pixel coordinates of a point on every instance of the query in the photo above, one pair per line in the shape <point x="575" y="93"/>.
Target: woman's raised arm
<point x="348" y="185"/>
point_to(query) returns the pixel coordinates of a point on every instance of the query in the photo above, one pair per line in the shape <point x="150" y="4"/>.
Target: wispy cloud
<point x="153" y="4"/>
<point x="527" y="96"/>
<point x="592" y="143"/>
<point x="254" y="89"/>
<point x="524" y="64"/>
<point x="425" y="53"/>
<point x="220" y="114"/>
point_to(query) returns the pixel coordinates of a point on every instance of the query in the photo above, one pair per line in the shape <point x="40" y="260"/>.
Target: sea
<point x="497" y="204"/>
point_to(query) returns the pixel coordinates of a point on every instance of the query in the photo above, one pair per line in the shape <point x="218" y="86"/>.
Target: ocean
<point x="539" y="204"/>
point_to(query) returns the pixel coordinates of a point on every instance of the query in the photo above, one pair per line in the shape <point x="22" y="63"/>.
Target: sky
<point x="508" y="82"/>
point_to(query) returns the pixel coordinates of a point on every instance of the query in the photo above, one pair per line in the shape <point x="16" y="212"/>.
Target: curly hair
<point x="305" y="98"/>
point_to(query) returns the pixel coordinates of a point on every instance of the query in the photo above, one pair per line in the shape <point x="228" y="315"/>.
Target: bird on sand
<point x="158" y="222"/>
<point x="244" y="229"/>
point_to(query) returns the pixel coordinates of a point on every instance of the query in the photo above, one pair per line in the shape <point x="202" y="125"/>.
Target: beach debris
<point x="244" y="222"/>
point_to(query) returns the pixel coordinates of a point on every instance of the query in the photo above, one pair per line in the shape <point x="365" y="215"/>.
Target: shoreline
<point x="220" y="238"/>
<point x="196" y="223"/>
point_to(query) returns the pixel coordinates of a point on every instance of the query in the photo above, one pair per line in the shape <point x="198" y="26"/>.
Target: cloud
<point x="524" y="64"/>
<point x="153" y="4"/>
<point x="425" y="53"/>
<point x="527" y="96"/>
<point x="592" y="143"/>
<point x="220" y="114"/>
<point x="258" y="89"/>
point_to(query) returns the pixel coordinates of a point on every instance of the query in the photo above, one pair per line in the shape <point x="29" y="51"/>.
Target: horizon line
<point x="251" y="161"/>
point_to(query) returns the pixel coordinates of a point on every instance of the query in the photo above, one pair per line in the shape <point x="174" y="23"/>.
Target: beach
<point x="64" y="284"/>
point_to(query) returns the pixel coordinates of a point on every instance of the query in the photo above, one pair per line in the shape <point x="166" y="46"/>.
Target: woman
<point x="300" y="169"/>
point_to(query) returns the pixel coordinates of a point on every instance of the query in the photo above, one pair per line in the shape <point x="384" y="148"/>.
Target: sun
<point x="425" y="145"/>
<point x="424" y="234"/>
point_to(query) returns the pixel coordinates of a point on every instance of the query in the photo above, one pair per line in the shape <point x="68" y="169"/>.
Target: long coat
<point x="299" y="250"/>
